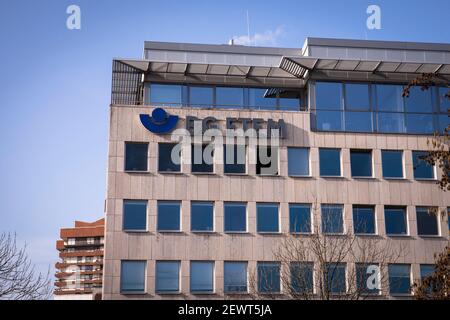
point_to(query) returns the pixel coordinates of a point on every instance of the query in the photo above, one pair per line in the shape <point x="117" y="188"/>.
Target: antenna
<point x="248" y="28"/>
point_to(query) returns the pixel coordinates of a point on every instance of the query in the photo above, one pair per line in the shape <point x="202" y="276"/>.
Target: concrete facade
<point x="252" y="246"/>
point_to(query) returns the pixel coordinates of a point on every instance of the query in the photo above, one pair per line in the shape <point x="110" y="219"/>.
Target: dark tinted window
<point x="300" y="218"/>
<point x="136" y="156"/>
<point x="134" y="215"/>
<point x="267" y="160"/>
<point x="364" y="219"/>
<point x="234" y="159"/>
<point x="335" y="278"/>
<point x="169" y="215"/>
<point x="422" y="170"/>
<point x="202" y="276"/>
<point x="329" y="120"/>
<point x="392" y="162"/>
<point x="361" y="163"/>
<point x="330" y="162"/>
<point x="399" y="279"/>
<point x="358" y="121"/>
<point x="201" y="97"/>
<point x="235" y="276"/>
<point x="229" y="97"/>
<point x="202" y="157"/>
<point x="202" y="216"/>
<point x="391" y="122"/>
<point x="302" y="277"/>
<point x="267" y="217"/>
<point x="289" y="100"/>
<point x="395" y="220"/>
<point x="332" y="219"/>
<point x="167" y="276"/>
<point x="328" y="96"/>
<point x="268" y="277"/>
<point x="235" y="214"/>
<point x="364" y="280"/>
<point x="419" y="123"/>
<point x="298" y="161"/>
<point x="419" y="100"/>
<point x="427" y="224"/>
<point x="444" y="100"/>
<point x="167" y="163"/>
<point x="389" y="98"/>
<point x="132" y="276"/>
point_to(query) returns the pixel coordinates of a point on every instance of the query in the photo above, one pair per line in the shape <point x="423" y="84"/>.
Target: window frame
<point x="168" y="292"/>
<point x="133" y="292"/>
<point x="274" y="264"/>
<point x="213" y="275"/>
<point x="342" y="220"/>
<point x="374" y="217"/>
<point x="267" y="204"/>
<point x="362" y="151"/>
<point x="123" y="217"/>
<point x="437" y="219"/>
<point x="402" y="164"/>
<point x="340" y="163"/>
<point x="311" y="222"/>
<point x="211" y="166"/>
<point x="406" y="218"/>
<point x="308" y="151"/>
<point x="233" y="292"/>
<point x="180" y="215"/>
<point x="213" y="216"/>
<point x="262" y="166"/>
<point x="235" y="203"/>
<point x="236" y="146"/>
<point x="180" y="171"/>
<point x="127" y="143"/>
<point x="400" y="294"/>
<point x="421" y="162"/>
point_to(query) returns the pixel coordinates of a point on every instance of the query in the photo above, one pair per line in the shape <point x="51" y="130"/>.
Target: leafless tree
<point x="18" y="278"/>
<point x="312" y="265"/>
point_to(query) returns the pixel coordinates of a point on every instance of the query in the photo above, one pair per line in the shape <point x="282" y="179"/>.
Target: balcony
<point x="72" y="291"/>
<point x="61" y="275"/>
<point x="83" y="243"/>
<point x="81" y="253"/>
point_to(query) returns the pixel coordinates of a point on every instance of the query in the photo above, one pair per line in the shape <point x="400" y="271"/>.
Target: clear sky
<point x="55" y="84"/>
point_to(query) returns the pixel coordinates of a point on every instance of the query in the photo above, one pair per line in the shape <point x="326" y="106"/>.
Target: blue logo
<point x="159" y="122"/>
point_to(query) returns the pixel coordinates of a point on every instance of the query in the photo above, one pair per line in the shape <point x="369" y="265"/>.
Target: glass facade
<point x="134" y="215"/>
<point x="365" y="107"/>
<point x="222" y="97"/>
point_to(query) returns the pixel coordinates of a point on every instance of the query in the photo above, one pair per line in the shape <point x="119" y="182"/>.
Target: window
<point x="298" y="162"/>
<point x="167" y="276"/>
<point x="136" y="156"/>
<point x="289" y="99"/>
<point x="302" y="277"/>
<point x="235" y="214"/>
<point x="132" y="276"/>
<point x="391" y="122"/>
<point x="202" y="158"/>
<point x="234" y="159"/>
<point x="201" y="97"/>
<point x="419" y="123"/>
<point x="134" y="215"/>
<point x="364" y="280"/>
<point x="267" y="160"/>
<point x="235" y="277"/>
<point x="168" y="162"/>
<point x="399" y="279"/>
<point x="166" y="95"/>
<point x="444" y="101"/>
<point x="419" y="100"/>
<point x="389" y="97"/>
<point x="364" y="219"/>
<point x="229" y="97"/>
<point x="444" y="122"/>
<point x="332" y="219"/>
<point x="329" y="120"/>
<point x="268" y="277"/>
<point x="300" y="218"/>
<point x="361" y="163"/>
<point x="202" y="216"/>
<point x="427" y="270"/>
<point x="422" y="170"/>
<point x="427" y="222"/>
<point x="202" y="276"/>
<point x="392" y="162"/>
<point x="395" y="219"/>
<point x="330" y="162"/>
<point x="358" y="121"/>
<point x="357" y="97"/>
<point x="259" y="100"/>
<point x="328" y="96"/>
<point x="267" y="217"/>
<point x="169" y="216"/>
<point x="335" y="279"/>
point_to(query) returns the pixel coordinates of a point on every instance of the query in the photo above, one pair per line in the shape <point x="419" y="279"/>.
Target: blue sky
<point x="55" y="84"/>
